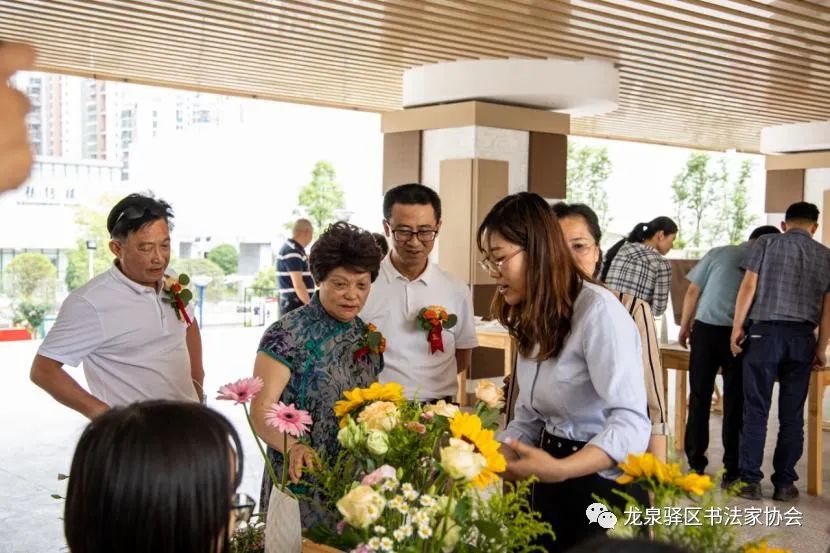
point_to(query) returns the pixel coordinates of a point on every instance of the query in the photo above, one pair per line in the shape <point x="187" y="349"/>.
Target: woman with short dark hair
<point x="155" y="477"/>
<point x="310" y="356"/>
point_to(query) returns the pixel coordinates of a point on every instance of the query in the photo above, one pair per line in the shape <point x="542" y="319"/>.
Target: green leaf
<point x="425" y="325"/>
<point x="184" y="280"/>
<point x="374" y="339"/>
<point x="489" y="529"/>
<point x="62" y="476"/>
<point x="451" y="321"/>
<point x="186" y="295"/>
<point x="463" y="509"/>
<point x="56" y="496"/>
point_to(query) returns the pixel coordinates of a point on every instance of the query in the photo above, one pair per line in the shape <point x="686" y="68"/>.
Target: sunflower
<point x="466" y="426"/>
<point x="762" y="547"/>
<point x="694" y="483"/>
<point x="648" y="466"/>
<point x="357" y="397"/>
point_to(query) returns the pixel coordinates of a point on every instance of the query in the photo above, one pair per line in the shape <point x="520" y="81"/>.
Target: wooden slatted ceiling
<point x="699" y="73"/>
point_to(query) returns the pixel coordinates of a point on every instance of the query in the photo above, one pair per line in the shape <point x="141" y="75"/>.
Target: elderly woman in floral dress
<point x="314" y="354"/>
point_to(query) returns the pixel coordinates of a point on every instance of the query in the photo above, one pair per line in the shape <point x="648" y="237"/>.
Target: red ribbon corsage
<point x="373" y="343"/>
<point x="178" y="296"/>
<point x="434" y="319"/>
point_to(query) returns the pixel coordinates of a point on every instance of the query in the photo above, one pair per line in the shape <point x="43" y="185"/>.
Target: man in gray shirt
<point x="785" y="294"/>
<point x="708" y="310"/>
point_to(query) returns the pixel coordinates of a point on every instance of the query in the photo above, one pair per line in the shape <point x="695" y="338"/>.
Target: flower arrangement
<point x="286" y="418"/>
<point x="414" y="477"/>
<point x="374" y="343"/>
<point x="433" y="319"/>
<point x="674" y="493"/>
<point x="178" y="295"/>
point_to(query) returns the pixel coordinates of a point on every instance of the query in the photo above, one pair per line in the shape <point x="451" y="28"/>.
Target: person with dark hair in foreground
<point x="637" y="265"/>
<point x="409" y="282"/>
<point x="309" y="357"/>
<point x="582" y="401"/>
<point x="134" y="344"/>
<point x="784" y="296"/>
<point x="155" y="477"/>
<point x="706" y="319"/>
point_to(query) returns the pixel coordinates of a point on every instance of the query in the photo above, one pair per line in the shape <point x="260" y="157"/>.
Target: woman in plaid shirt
<point x="637" y="265"/>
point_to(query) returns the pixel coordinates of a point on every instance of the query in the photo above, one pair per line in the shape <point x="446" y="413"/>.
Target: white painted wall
<point x="816" y="181"/>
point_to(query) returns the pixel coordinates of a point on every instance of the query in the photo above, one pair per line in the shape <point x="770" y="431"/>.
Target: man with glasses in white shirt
<point x="408" y="282"/>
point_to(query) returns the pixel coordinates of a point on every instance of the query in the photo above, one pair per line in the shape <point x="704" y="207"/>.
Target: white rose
<point x="490" y="394"/>
<point x="460" y="460"/>
<point x="442" y="408"/>
<point x="380" y="415"/>
<point x="377" y="442"/>
<point x="361" y="507"/>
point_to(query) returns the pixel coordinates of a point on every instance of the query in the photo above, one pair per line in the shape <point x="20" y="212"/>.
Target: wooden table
<point x="675" y="357"/>
<point x="496" y="336"/>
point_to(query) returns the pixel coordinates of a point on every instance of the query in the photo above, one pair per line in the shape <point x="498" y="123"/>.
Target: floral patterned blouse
<point x="319" y="351"/>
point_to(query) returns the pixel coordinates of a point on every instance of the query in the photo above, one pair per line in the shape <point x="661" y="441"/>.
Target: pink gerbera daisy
<point x="242" y="390"/>
<point x="288" y="419"/>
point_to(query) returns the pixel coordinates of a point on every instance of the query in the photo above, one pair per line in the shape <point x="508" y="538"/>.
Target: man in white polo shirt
<point x="408" y="282"/>
<point x="133" y="344"/>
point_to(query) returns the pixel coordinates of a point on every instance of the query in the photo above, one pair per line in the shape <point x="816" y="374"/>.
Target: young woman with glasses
<point x="582" y="402"/>
<point x="155" y="477"/>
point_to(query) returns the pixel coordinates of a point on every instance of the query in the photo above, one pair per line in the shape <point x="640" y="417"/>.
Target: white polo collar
<point x="391" y="273"/>
<point x="131" y="284"/>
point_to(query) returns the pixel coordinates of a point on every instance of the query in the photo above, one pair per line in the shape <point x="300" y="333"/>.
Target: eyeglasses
<point x="495" y="266"/>
<point x="405" y="235"/>
<point x="242" y="507"/>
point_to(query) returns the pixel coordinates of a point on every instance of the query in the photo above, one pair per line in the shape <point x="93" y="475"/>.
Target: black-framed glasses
<point x="405" y="235"/>
<point x="242" y="507"/>
<point x="495" y="266"/>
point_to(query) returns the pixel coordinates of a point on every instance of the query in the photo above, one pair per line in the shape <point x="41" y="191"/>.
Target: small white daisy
<point x="386" y="544"/>
<point x="379" y="530"/>
<point x="428" y="500"/>
<point x="373" y="544"/>
<point x="424" y="532"/>
<point x="399" y="534"/>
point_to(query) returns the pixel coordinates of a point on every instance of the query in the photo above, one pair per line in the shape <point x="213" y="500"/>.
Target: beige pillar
<point x="474" y="154"/>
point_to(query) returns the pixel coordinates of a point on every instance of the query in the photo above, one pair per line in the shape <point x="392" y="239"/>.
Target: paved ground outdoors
<point x="37" y="438"/>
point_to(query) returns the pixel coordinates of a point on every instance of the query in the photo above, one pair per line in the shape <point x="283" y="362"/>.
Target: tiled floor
<point x="37" y="437"/>
<point x="813" y="536"/>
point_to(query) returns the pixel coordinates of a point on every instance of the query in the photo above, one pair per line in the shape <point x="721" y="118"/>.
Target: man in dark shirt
<point x="785" y="294"/>
<point x="293" y="276"/>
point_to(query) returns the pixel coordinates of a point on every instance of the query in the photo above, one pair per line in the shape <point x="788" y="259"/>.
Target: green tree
<point x="693" y="193"/>
<point x="265" y="283"/>
<point x="92" y="226"/>
<point x="32" y="277"/>
<point x="226" y="257"/>
<point x="737" y="216"/>
<point x="588" y="169"/>
<point x="215" y="291"/>
<point x="321" y="197"/>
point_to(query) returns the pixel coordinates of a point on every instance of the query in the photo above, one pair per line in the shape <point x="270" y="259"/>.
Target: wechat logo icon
<point x="599" y="513"/>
